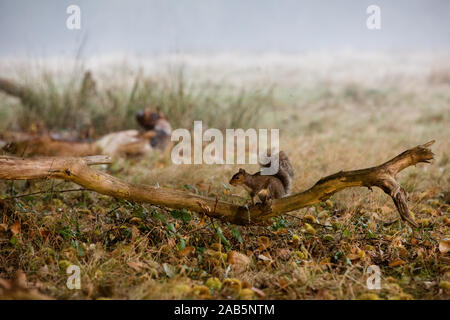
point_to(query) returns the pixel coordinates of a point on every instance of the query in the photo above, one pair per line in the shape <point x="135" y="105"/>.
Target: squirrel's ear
<point x="241" y="170"/>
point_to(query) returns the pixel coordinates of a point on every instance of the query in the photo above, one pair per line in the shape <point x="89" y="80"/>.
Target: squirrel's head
<point x="238" y="178"/>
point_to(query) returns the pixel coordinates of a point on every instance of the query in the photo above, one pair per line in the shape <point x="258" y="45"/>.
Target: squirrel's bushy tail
<point x="285" y="171"/>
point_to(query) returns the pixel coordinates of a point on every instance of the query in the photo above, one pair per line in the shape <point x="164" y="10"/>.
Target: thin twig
<point x="42" y="192"/>
<point x="303" y="220"/>
<point x="198" y="229"/>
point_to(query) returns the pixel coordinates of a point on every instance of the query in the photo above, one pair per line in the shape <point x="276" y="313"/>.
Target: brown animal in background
<point x="135" y="143"/>
<point x="157" y="122"/>
<point x="121" y="143"/>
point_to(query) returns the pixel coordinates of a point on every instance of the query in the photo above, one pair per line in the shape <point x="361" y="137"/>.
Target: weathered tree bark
<point x="77" y="170"/>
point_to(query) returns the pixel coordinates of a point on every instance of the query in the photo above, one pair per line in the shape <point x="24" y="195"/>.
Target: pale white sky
<point x="144" y="27"/>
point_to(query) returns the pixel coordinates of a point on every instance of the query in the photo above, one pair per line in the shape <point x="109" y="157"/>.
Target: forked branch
<point x="77" y="170"/>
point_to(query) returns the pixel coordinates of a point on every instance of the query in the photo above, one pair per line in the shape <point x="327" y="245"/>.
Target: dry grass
<point x="328" y="123"/>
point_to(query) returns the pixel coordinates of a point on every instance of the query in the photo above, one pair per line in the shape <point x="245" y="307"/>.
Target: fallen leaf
<point x="324" y="214"/>
<point x="136" y="220"/>
<point x="283" y="284"/>
<point x="446" y="221"/>
<point x="171" y="242"/>
<point x="238" y="260"/>
<point x="186" y="251"/>
<point x="444" y="245"/>
<point x="235" y="257"/>
<point x="3" y="227"/>
<point x="259" y="292"/>
<point x="396" y="263"/>
<point x="134" y="232"/>
<point x="169" y="270"/>
<point x="264" y="258"/>
<point x="15" y="228"/>
<point x="310" y="218"/>
<point x="325" y="261"/>
<point x="361" y="253"/>
<point x="300" y="254"/>
<point x="44" y="232"/>
<point x="353" y="256"/>
<point x="309" y="229"/>
<point x="264" y="243"/>
<point x="284" y="253"/>
<point x="429" y="284"/>
<point x="202" y="220"/>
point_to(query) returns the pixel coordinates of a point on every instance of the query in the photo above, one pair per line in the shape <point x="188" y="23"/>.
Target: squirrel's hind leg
<point x="256" y="199"/>
<point x="260" y="197"/>
<point x="264" y="195"/>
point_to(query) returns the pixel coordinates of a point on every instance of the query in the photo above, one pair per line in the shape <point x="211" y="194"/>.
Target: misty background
<point x="139" y="27"/>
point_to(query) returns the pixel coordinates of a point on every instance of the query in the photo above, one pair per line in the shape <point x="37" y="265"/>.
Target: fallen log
<point x="47" y="146"/>
<point x="77" y="170"/>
